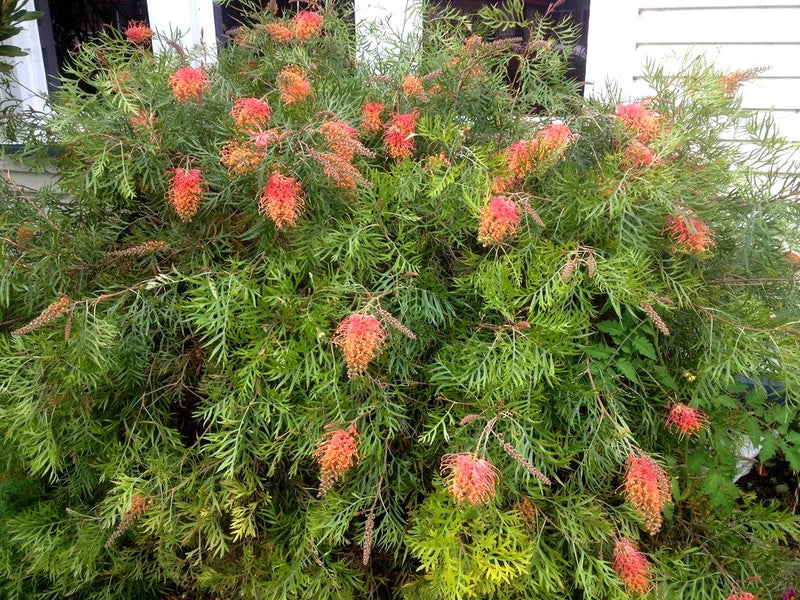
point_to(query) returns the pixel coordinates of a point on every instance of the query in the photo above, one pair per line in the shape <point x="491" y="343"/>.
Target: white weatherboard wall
<point x="194" y="19"/>
<point x="734" y="34"/>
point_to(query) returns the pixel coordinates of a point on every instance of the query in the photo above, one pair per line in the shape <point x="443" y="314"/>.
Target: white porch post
<point x="194" y="19"/>
<point x="29" y="72"/>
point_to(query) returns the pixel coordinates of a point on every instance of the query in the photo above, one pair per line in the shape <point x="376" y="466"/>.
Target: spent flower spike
<point x="335" y="454"/>
<point x="632" y="567"/>
<point x="469" y="478"/>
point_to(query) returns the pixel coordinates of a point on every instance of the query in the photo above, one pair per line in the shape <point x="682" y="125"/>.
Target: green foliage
<point x="164" y="424"/>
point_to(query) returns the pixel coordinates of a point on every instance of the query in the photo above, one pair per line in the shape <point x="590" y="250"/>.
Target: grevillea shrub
<point x="304" y="326"/>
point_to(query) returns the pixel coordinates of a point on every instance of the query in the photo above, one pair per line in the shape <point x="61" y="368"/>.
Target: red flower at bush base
<point x="741" y="596"/>
<point x="137" y="32"/>
<point x="632" y="566"/>
<point x="335" y="454"/>
<point x="371" y="122"/>
<point x="278" y="32"/>
<point x="499" y="219"/>
<point x="185" y="191"/>
<point x="399" y="134"/>
<point x="686" y="420"/>
<point x="360" y="336"/>
<point x="647" y="489"/>
<point x="281" y="200"/>
<point x="293" y="85"/>
<point x="643" y="123"/>
<point x="690" y="234"/>
<point x="188" y="83"/>
<point x="306" y="25"/>
<point x="251" y="114"/>
<point x="469" y="478"/>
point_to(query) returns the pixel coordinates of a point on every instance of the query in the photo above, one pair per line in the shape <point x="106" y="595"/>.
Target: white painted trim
<point x="193" y="19"/>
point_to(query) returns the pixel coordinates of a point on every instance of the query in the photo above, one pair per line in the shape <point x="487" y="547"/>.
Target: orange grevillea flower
<point x="741" y="596"/>
<point x="637" y="156"/>
<point x="188" y="83"/>
<point x="278" y="32"/>
<point x="644" y="124"/>
<point x="251" y="114"/>
<point x="371" y="122"/>
<point x="632" y="566"/>
<point x="137" y="32"/>
<point x="499" y="219"/>
<point x="469" y="478"/>
<point x="264" y="139"/>
<point x="549" y="143"/>
<point x="240" y="158"/>
<point x="306" y="25"/>
<point x="412" y="87"/>
<point x="360" y="336"/>
<point x="186" y="189"/>
<point x="342" y="139"/>
<point x="690" y="234"/>
<point x="282" y="200"/>
<point x="293" y="85"/>
<point x="686" y="420"/>
<point x="647" y="489"/>
<point x="399" y="134"/>
<point x="335" y="454"/>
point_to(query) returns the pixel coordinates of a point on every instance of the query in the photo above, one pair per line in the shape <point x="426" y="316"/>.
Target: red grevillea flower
<point x="689" y="233"/>
<point x="741" y="596"/>
<point x="137" y="32"/>
<point x="399" y="134"/>
<point x="188" y="83"/>
<point x="371" y="122"/>
<point x="278" y="32"/>
<point x="686" y="420"/>
<point x="281" y="200"/>
<point x="468" y="478"/>
<point x="239" y="158"/>
<point x="306" y="25"/>
<point x="637" y="156"/>
<point x="647" y="489"/>
<point x="360" y="336"/>
<point x="549" y="142"/>
<point x="293" y="85"/>
<point x="251" y="114"/>
<point x="185" y="191"/>
<point x="643" y="123"/>
<point x="632" y="566"/>
<point x="499" y="219"/>
<point x="335" y="454"/>
<point x="341" y="139"/>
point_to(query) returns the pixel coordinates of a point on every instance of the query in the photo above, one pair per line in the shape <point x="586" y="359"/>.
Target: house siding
<point x="733" y="34"/>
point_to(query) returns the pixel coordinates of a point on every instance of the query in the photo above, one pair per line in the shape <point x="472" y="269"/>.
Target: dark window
<point x="68" y="23"/>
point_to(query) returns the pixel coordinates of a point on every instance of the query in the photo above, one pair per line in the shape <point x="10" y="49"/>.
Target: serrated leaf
<point x="610" y="327"/>
<point x="696" y="461"/>
<point x="792" y="454"/>
<point x="627" y="369"/>
<point x="769" y="446"/>
<point x="644" y="347"/>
